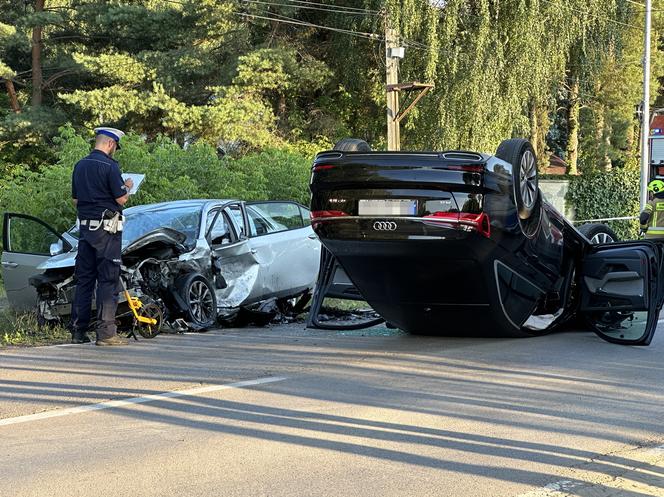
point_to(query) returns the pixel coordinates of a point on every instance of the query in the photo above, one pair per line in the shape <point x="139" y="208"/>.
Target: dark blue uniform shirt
<point x="96" y="183"/>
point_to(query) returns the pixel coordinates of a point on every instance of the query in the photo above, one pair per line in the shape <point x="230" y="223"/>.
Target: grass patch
<point x="21" y="328"/>
<point x="346" y="305"/>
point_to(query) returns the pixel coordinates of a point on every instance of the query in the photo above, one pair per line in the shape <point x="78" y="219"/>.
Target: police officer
<point x="652" y="217"/>
<point x="99" y="193"/>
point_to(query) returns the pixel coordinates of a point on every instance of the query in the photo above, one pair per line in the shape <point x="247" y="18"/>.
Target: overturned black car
<point x="464" y="243"/>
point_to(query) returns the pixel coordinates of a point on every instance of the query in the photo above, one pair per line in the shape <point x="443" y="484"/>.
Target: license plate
<point x="389" y="207"/>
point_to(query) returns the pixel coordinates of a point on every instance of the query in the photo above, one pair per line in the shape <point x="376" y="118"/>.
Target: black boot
<point x="80" y="337"/>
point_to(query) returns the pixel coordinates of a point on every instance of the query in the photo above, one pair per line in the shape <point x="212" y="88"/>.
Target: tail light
<point x="478" y="222"/>
<point x="466" y="168"/>
<point x="452" y="217"/>
<point x="323" y="214"/>
<point x="322" y="167"/>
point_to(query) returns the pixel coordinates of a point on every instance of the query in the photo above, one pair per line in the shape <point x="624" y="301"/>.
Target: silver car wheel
<point x="601" y="238"/>
<point x="201" y="301"/>
<point x="528" y="179"/>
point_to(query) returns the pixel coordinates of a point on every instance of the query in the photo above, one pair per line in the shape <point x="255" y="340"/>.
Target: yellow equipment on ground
<point x="136" y="305"/>
<point x="147" y="318"/>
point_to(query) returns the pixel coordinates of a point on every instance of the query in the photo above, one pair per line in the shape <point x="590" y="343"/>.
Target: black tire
<point x="598" y="233"/>
<point x="352" y="145"/>
<point x="151" y="310"/>
<point x="200" y="301"/>
<point x="521" y="155"/>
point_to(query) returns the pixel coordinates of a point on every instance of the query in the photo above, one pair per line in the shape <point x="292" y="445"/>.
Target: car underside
<point x="460" y="242"/>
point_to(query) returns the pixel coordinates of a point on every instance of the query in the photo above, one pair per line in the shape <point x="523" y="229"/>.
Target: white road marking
<point x="553" y="489"/>
<point x="563" y="488"/>
<point x="657" y="450"/>
<point x="137" y="400"/>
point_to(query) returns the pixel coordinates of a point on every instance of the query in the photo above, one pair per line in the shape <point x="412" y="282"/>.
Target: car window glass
<point x="28" y="236"/>
<point x="236" y="212"/>
<point x="621" y="325"/>
<point x="271" y="217"/>
<point x="210" y="218"/>
<point x="306" y="216"/>
<point x="220" y="232"/>
<point x="260" y="223"/>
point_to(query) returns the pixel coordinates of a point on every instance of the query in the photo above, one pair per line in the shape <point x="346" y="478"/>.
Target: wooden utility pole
<point x="394" y="52"/>
<point x="392" y="78"/>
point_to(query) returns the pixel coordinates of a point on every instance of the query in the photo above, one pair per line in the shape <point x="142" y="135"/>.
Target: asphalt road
<point x="289" y="412"/>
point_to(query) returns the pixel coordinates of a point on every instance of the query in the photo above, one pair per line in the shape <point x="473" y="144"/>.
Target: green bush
<point x="172" y="173"/>
<point x="275" y="175"/>
<point x="608" y="194"/>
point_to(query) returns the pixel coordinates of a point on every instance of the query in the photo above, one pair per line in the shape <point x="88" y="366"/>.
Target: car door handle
<point x="253" y="251"/>
<point x="10" y="265"/>
<point x="312" y="236"/>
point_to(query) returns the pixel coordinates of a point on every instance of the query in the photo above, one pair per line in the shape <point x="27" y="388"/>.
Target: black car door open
<point x="621" y="291"/>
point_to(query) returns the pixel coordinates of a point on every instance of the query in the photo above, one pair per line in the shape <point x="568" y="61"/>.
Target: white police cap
<point x="116" y="134"/>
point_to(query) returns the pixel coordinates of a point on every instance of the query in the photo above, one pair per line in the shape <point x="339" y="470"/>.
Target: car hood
<point x="59" y="261"/>
<point x="166" y="236"/>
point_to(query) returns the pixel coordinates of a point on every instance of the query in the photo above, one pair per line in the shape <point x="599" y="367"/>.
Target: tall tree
<point x="36" y="55"/>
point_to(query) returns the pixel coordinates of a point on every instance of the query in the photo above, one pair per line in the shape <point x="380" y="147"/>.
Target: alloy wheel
<point x="528" y="179"/>
<point x="601" y="238"/>
<point x="201" y="301"/>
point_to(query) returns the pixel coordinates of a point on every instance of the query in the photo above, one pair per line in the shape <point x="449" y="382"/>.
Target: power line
<point x="356" y="9"/>
<point x="330" y="8"/>
<point x="361" y="34"/>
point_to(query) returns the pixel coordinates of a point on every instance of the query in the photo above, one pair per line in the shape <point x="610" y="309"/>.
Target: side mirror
<point x="57" y="248"/>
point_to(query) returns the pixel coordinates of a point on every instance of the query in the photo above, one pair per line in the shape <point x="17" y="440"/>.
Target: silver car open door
<point x="27" y="242"/>
<point x="621" y="291"/>
<point x="234" y="263"/>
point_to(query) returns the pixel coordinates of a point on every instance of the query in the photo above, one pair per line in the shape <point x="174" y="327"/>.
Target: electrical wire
<point x="370" y="36"/>
<point x="356" y="9"/>
<point x="322" y="9"/>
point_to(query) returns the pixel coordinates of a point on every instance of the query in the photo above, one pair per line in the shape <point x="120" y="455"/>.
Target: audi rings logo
<point x="384" y="226"/>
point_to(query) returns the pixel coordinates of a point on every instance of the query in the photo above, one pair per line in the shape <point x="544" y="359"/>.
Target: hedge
<point x="172" y="173"/>
<point x="613" y="193"/>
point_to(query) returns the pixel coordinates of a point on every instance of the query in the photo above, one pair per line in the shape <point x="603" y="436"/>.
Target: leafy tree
<point x="247" y="76"/>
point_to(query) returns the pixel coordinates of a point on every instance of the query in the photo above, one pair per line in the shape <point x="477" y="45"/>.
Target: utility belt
<point x="111" y="221"/>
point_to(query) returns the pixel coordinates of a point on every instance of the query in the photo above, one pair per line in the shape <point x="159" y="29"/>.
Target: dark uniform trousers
<point x="98" y="260"/>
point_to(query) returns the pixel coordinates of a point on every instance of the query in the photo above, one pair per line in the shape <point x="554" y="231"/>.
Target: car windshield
<point x="186" y="220"/>
<point x="183" y="219"/>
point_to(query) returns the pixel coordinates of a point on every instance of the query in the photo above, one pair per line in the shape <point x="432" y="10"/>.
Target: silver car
<point x="193" y="261"/>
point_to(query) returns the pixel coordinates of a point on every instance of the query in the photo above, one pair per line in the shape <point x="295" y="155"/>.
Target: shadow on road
<point x="570" y="385"/>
